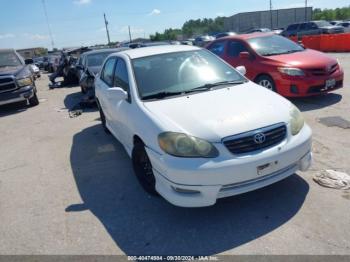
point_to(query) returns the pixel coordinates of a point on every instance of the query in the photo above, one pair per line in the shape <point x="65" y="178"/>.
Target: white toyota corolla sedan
<point x="195" y="128"/>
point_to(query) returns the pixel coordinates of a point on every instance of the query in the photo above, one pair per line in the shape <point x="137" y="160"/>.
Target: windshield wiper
<point x="282" y="53"/>
<point x="161" y="95"/>
<point x="209" y="86"/>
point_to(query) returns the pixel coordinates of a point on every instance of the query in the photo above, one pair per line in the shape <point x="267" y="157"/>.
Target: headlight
<point x="24" y="82"/>
<point x="182" y="145"/>
<point x="339" y="64"/>
<point x="296" y="121"/>
<point x="291" y="71"/>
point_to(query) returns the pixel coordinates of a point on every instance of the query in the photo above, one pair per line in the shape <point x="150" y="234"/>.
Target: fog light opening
<point x="185" y="191"/>
<point x="294" y="89"/>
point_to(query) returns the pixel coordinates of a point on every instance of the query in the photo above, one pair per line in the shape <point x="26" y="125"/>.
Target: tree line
<point x="211" y="26"/>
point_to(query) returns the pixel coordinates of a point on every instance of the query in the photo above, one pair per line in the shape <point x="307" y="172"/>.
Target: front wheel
<point x="34" y="101"/>
<point x="143" y="169"/>
<point x="103" y="119"/>
<point x="267" y="82"/>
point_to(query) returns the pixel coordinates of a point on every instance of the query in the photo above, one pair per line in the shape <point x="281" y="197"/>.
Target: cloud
<point x="4" y="36"/>
<point x="155" y="12"/>
<point x="36" y="37"/>
<point x="82" y="2"/>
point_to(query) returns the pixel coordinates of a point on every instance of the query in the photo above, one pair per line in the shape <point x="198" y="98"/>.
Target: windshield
<point x="274" y="45"/>
<point x="9" y="59"/>
<point x="322" y="23"/>
<point x="97" y="59"/>
<point x="182" y="72"/>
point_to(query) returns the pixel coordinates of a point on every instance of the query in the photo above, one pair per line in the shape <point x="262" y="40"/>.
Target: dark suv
<point x="312" y="28"/>
<point x="16" y="79"/>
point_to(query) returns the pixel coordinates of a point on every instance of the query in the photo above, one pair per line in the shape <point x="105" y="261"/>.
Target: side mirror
<point x="241" y="69"/>
<point x="29" y="61"/>
<point x="117" y="94"/>
<point x="244" y="55"/>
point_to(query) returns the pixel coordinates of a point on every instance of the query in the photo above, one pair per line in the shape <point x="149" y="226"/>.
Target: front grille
<point x="7" y="84"/>
<point x="324" y="71"/>
<point x="246" y="142"/>
<point x="322" y="88"/>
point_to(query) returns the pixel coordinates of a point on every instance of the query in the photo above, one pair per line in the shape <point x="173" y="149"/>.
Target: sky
<point x="80" y="22"/>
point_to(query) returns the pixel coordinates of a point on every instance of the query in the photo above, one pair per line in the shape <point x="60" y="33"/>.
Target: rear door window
<point x="293" y="27"/>
<point x="303" y="27"/>
<point x="236" y="47"/>
<point x="108" y="72"/>
<point x="218" y="48"/>
<point x="121" y="78"/>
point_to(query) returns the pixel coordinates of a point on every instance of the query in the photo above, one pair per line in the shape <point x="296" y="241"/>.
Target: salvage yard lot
<point x="66" y="187"/>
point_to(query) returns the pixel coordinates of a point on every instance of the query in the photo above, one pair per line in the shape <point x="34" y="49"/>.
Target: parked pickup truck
<point x="16" y="79"/>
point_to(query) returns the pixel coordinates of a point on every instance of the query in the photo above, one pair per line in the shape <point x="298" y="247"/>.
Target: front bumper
<point x="200" y="182"/>
<point x="289" y="86"/>
<point x="18" y="95"/>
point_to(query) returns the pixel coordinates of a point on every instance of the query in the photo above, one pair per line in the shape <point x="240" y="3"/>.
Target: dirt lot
<point x="68" y="188"/>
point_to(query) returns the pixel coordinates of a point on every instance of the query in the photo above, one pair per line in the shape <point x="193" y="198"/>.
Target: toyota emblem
<point x="259" y="138"/>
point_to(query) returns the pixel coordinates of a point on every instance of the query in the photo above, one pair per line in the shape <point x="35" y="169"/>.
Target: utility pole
<point x="106" y="24"/>
<point x="306" y="20"/>
<point x="130" y="34"/>
<point x="271" y="15"/>
<point x="48" y="24"/>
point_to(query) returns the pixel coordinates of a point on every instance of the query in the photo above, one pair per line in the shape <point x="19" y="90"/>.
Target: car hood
<point x="307" y="59"/>
<point x="10" y="70"/>
<point x="220" y="113"/>
<point x="330" y="27"/>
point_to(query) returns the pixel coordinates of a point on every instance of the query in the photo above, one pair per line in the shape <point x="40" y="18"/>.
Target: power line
<point x="48" y="24"/>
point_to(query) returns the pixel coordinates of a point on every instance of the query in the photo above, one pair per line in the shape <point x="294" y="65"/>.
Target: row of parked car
<point x="237" y="134"/>
<point x="297" y="29"/>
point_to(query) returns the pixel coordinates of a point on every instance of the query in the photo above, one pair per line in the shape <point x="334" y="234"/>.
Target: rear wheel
<point x="267" y="82"/>
<point x="143" y="169"/>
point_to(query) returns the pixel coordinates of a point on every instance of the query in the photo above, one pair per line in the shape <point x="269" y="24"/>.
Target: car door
<point x="121" y="110"/>
<point x="104" y="82"/>
<point x="233" y="51"/>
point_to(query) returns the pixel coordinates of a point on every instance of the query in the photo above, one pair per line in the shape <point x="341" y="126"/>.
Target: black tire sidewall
<point x="137" y="153"/>
<point x="34" y="101"/>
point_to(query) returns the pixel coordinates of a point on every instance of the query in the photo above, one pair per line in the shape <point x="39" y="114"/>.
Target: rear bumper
<point x="18" y="95"/>
<point x="200" y="182"/>
<point x="307" y="86"/>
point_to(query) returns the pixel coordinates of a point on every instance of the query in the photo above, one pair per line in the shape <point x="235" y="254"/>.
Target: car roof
<point x="248" y="36"/>
<point x="156" y="50"/>
<point x="105" y="50"/>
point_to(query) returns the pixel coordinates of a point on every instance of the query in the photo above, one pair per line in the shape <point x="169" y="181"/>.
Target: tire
<point x="103" y="119"/>
<point x="83" y="90"/>
<point x="267" y="82"/>
<point x="143" y="169"/>
<point x="34" y="101"/>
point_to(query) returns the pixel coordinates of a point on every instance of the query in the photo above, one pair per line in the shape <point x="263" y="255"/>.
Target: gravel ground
<point x="68" y="188"/>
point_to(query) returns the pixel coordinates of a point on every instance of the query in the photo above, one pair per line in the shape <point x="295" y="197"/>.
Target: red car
<point x="279" y="64"/>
